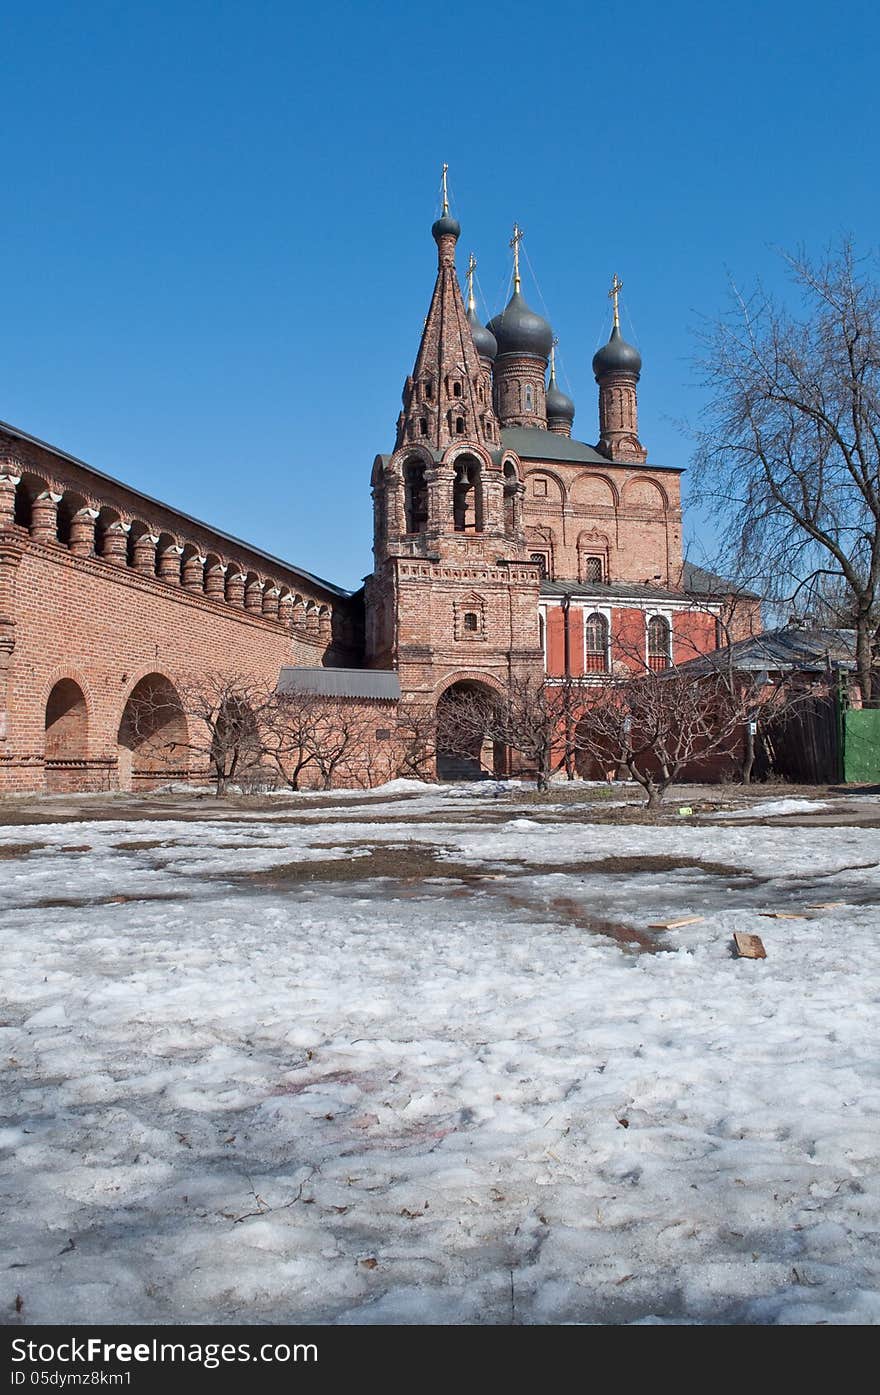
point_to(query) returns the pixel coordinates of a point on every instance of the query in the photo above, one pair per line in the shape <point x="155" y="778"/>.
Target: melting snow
<point x="458" y="1099"/>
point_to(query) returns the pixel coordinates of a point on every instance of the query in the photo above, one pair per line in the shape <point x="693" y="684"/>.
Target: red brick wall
<point x="106" y="628"/>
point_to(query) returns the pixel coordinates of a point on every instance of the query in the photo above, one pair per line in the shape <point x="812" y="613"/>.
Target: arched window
<point x="510" y="487"/>
<point x="416" y="496"/>
<point x="596" y="644"/>
<point x="528" y="398"/>
<point x="459" y="426"/>
<point x="467" y="496"/>
<point x="658" y="643"/>
<point x="593" y="569"/>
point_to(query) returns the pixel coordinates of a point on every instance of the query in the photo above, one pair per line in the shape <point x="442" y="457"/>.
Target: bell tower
<point x="452" y="589"/>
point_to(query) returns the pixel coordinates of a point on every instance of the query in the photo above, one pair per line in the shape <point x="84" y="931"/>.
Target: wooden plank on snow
<point x="674" y="924"/>
<point x="749" y="946"/>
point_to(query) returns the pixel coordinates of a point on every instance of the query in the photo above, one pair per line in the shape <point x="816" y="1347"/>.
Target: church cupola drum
<point x="617" y="367"/>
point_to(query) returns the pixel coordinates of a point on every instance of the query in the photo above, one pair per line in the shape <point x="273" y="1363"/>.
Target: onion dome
<point x="617" y="357"/>
<point x="484" y="340"/>
<point x="559" y="405"/>
<point x="518" y="330"/>
<point x="446" y="226"/>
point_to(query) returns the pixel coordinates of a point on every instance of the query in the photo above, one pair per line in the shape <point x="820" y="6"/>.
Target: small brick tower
<point x="524" y="342"/>
<point x="617" y="367"/>
<point x="453" y="596"/>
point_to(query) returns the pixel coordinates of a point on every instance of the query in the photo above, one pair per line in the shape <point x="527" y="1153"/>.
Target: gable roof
<point x="792" y="648"/>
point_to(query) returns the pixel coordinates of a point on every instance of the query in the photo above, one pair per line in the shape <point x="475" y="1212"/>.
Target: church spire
<point x="446" y="398"/>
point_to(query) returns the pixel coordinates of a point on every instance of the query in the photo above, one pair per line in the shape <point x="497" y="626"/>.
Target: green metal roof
<point x="531" y="443"/>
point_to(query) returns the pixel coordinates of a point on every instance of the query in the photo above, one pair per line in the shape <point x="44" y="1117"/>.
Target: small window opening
<point x="470" y="621"/>
<point x="540" y="561"/>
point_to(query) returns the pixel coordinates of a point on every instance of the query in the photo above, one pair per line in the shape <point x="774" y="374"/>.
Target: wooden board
<point x="749" y="946"/>
<point x="674" y="924"/>
<point x="826" y="905"/>
<point x="782" y="915"/>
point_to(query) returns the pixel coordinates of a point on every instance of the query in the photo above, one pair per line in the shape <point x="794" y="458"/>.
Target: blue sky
<point x="215" y="232"/>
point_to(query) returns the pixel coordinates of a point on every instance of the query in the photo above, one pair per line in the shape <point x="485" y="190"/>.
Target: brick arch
<point x="539" y="472"/>
<point x="472" y="448"/>
<point x="30" y="486"/>
<point x="466" y="675"/>
<point x="642" y="492"/>
<point x="153" y="734"/>
<point x="67" y="720"/>
<point x="72" y="503"/>
<point x="593" y="489"/>
<point x="168" y="552"/>
<point x="514" y="460"/>
<point x="412" y="451"/>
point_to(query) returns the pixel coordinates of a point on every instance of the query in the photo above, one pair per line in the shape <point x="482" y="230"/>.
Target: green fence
<point x="861" y="745"/>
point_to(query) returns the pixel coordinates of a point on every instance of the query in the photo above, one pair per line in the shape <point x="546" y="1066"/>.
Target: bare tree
<point x="288" y="734"/>
<point x="416" y="741"/>
<point x="226" y="722"/>
<point x="531" y="717"/>
<point x="657" y="724"/>
<point x="789" y="457"/>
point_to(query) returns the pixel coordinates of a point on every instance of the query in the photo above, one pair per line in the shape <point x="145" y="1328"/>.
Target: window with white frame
<point x="659" y="643"/>
<point x="595" y="643"/>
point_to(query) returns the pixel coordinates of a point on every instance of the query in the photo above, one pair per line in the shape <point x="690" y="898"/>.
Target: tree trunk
<point x="864" y="635"/>
<point x="748" y="755"/>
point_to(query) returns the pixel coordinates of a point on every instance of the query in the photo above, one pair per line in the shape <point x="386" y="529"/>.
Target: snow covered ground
<point x="424" y="1061"/>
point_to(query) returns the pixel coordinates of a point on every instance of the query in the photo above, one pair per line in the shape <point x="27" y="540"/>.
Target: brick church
<point x="502" y="547"/>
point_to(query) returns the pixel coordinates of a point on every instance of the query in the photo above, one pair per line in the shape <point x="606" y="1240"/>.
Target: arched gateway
<point x="462" y="753"/>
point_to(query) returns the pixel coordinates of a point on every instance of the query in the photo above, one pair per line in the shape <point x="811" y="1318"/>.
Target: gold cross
<point x="471" y="268"/>
<point x="445" y="190"/>
<point x="514" y="243"/>
<point x="616" y="288"/>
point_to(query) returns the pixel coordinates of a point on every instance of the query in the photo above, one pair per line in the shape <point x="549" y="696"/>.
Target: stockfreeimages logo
<point x="95" y="1351"/>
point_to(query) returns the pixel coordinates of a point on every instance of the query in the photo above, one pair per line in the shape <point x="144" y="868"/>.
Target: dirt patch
<point x="12" y="850"/>
<point x="147" y="845"/>
<point x="568" y="909"/>
<point x="81" y="903"/>
<point x="421" y="870"/>
<point x="413" y="862"/>
<point x="628" y="866"/>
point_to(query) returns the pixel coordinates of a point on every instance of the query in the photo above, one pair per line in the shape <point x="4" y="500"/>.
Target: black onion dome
<point x="559" y="404"/>
<point x="617" y="357"/>
<point x="446" y="226"/>
<point x="518" y="330"/>
<point x="484" y="339"/>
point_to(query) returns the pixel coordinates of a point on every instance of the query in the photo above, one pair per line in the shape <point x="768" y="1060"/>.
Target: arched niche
<point x="153" y="738"/>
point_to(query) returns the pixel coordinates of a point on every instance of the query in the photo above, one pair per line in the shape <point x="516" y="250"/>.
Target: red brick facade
<point x="501" y="546"/>
<point x="101" y="587"/>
